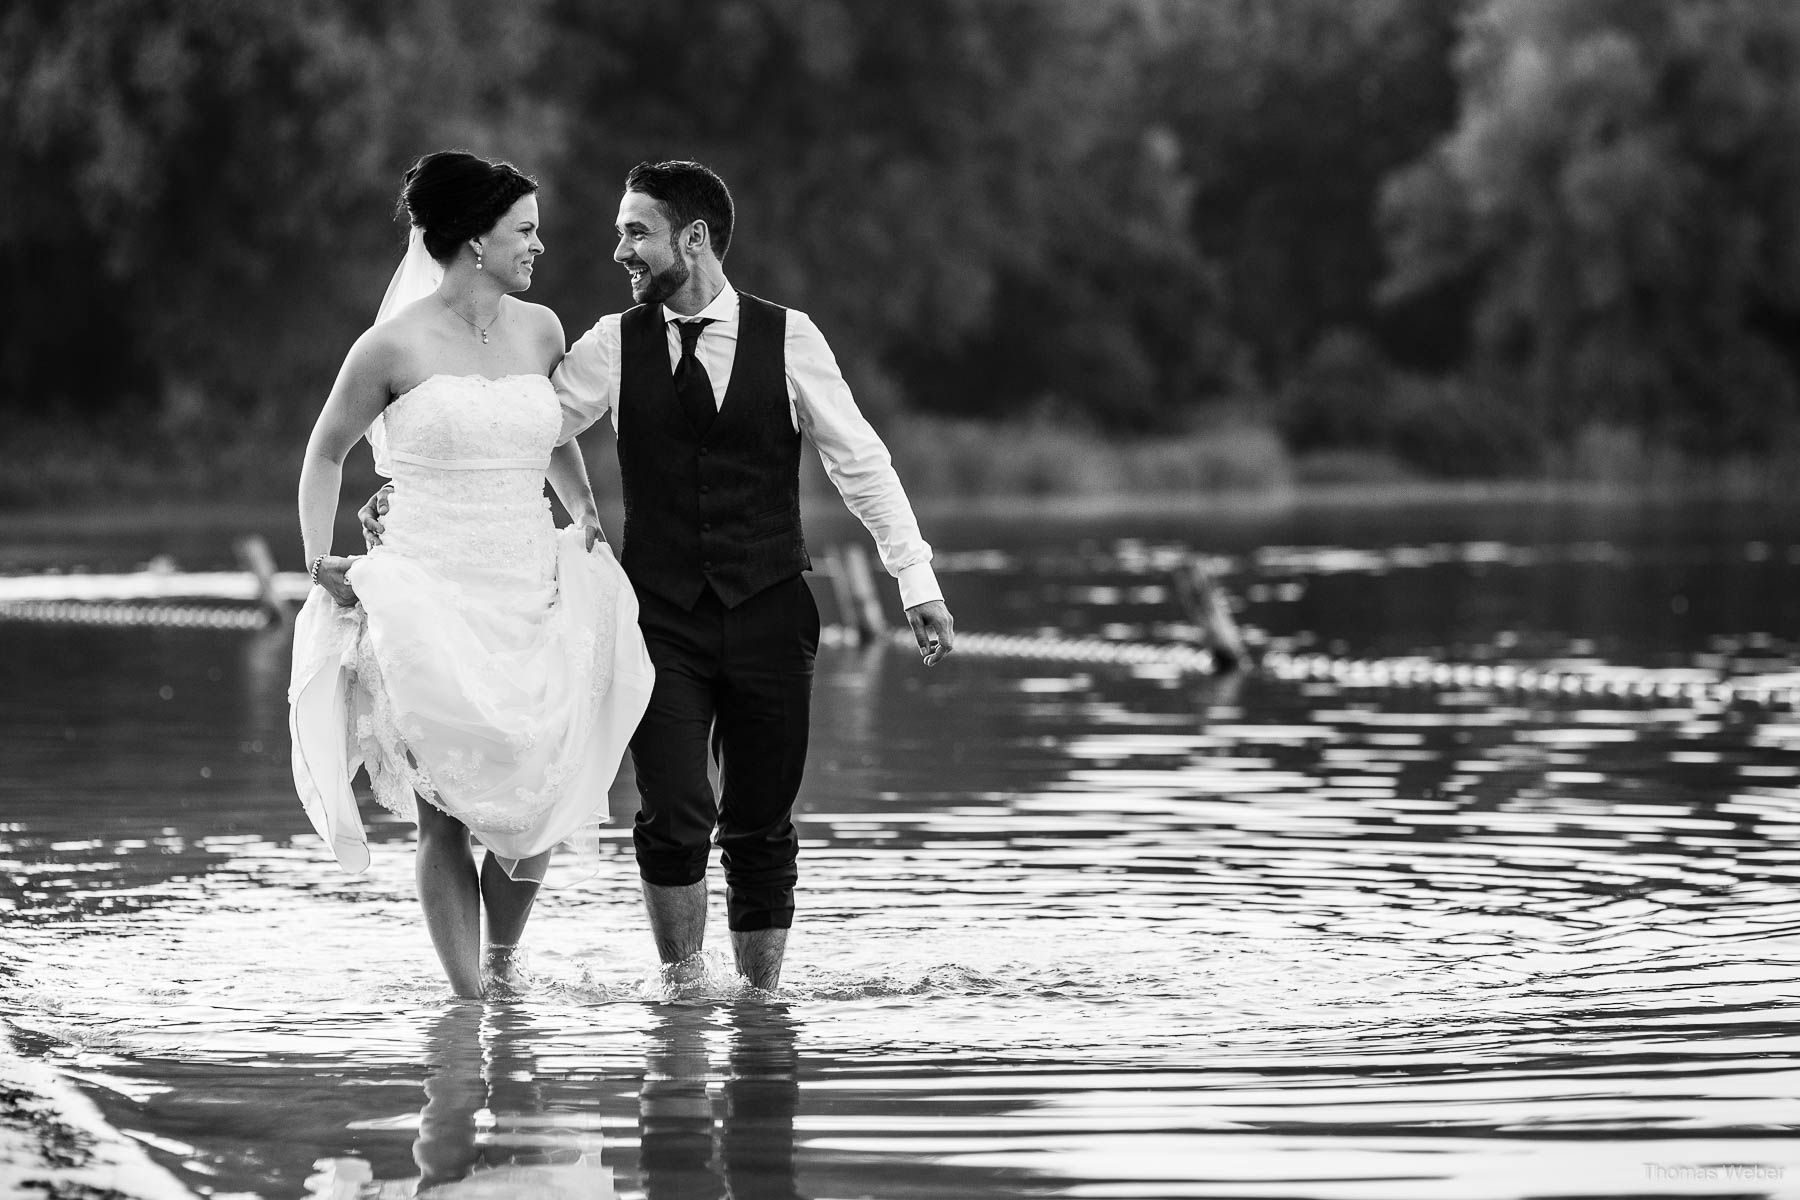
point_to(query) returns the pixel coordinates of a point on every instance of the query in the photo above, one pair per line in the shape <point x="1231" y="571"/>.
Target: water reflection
<point x="508" y="1113"/>
<point x="486" y="1129"/>
<point x="742" y="1146"/>
<point x="1068" y="929"/>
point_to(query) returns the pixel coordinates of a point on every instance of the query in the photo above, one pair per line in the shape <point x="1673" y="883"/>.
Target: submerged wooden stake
<point x="1205" y="604"/>
<point x="253" y="553"/>
<point x="833" y="564"/>
<point x="866" y="612"/>
<point x="853" y="587"/>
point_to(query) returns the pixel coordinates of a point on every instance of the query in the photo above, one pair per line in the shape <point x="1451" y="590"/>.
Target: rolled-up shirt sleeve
<point x="856" y="460"/>
<point x="587" y="380"/>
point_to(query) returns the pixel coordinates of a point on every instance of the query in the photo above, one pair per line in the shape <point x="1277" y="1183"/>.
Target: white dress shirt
<point x="819" y="404"/>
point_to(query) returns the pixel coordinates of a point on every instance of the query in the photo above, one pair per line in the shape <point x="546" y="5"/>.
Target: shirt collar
<point x="724" y="307"/>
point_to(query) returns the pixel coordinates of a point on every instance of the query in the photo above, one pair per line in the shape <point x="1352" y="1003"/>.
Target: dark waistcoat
<point x="721" y="508"/>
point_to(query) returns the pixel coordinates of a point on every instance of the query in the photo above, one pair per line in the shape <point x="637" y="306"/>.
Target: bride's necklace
<point x="481" y="329"/>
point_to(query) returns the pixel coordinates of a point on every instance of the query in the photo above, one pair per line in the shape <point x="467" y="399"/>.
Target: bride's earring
<point x="478" y="258"/>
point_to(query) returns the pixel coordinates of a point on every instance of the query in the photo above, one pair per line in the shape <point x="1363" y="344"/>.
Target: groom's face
<point x="647" y="249"/>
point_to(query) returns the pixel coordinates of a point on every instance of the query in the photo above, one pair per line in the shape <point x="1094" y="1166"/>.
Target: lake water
<point x="1066" y="929"/>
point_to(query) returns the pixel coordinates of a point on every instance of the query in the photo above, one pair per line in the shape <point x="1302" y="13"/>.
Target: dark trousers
<point x="737" y="682"/>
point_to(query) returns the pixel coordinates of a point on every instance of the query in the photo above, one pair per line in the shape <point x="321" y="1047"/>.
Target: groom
<point x="710" y="390"/>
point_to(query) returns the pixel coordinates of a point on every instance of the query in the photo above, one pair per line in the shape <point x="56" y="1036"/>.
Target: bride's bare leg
<point x="450" y="893"/>
<point x="508" y="900"/>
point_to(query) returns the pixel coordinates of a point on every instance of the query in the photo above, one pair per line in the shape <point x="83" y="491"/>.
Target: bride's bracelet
<point x="313" y="570"/>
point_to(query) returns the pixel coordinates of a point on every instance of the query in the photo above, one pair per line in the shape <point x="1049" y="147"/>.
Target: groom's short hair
<point x="688" y="192"/>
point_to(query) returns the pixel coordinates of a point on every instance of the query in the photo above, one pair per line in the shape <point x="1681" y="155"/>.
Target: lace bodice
<point x="473" y="419"/>
<point x="468" y="455"/>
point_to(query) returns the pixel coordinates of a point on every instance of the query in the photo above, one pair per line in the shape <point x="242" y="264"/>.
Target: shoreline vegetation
<point x="56" y="476"/>
<point x="1070" y="251"/>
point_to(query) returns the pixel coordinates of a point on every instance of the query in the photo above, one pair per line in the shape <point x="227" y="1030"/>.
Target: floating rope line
<point x="1192" y="659"/>
<point x="1045" y="647"/>
<point x="1619" y="683"/>
<point x="169" y="601"/>
<point x="190" y="587"/>
<point x="976" y="645"/>
<point x="94" y="612"/>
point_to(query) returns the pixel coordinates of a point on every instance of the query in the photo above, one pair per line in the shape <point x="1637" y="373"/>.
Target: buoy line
<point x="1619" y="683"/>
<point x="100" y="612"/>
<point x="1678" y="686"/>
<point x="1194" y="659"/>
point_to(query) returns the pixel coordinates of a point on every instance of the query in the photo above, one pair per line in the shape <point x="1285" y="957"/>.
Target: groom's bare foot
<point x="759" y="955"/>
<point x="691" y="969"/>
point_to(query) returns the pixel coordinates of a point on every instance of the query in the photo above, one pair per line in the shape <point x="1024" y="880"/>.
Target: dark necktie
<point x="692" y="386"/>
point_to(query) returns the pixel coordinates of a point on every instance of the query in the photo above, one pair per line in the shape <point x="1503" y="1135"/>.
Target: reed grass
<point x="61" y="463"/>
<point x="72" y="463"/>
<point x="944" y="457"/>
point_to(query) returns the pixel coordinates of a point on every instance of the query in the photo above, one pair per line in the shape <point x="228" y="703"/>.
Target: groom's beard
<point x="659" y="286"/>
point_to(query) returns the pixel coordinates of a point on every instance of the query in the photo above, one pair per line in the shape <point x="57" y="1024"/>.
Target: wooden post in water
<point x="871" y="622"/>
<point x="1205" y="604"/>
<point x="253" y="553"/>
<point x="833" y="562"/>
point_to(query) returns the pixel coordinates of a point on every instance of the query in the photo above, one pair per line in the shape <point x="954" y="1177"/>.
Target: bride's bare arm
<point x="568" y="478"/>
<point x="356" y="399"/>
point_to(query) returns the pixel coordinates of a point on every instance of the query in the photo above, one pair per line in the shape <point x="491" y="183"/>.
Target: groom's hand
<point x="371" y="513"/>
<point x="934" y="629"/>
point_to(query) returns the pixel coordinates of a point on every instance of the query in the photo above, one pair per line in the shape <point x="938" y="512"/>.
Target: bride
<point x="483" y="667"/>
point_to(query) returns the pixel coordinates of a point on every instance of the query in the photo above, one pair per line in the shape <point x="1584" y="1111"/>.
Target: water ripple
<point x="1103" y="931"/>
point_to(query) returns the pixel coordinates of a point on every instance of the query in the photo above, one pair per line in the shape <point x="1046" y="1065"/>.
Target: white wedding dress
<point x="492" y="664"/>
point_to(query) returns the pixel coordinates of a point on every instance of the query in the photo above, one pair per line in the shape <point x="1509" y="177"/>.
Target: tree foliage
<point x="961" y="191"/>
<point x="1622" y="187"/>
<point x="204" y="186"/>
<point x="1112" y="213"/>
<point x="1289" y="113"/>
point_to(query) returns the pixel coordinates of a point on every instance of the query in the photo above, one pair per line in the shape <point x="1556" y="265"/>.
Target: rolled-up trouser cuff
<point x="750" y="910"/>
<point x="667" y="867"/>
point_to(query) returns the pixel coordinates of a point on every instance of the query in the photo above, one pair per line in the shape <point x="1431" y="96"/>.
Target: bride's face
<point x="509" y="249"/>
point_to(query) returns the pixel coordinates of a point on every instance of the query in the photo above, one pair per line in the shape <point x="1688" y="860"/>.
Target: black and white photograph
<point x="899" y="599"/>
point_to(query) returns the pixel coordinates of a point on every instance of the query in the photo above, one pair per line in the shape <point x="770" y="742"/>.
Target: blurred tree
<point x="1623" y="189"/>
<point x="203" y="223"/>
<point x="962" y="192"/>
<point x="1106" y="212"/>
<point x="1288" y="114"/>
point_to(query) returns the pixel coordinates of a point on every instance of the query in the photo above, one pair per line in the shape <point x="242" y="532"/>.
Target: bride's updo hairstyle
<point x="453" y="196"/>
